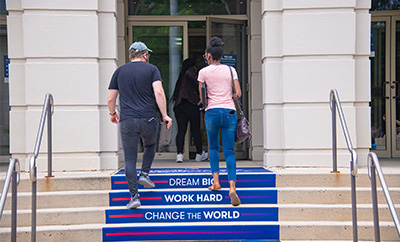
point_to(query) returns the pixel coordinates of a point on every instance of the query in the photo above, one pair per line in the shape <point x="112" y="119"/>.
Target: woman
<point x="186" y="97"/>
<point x="220" y="114"/>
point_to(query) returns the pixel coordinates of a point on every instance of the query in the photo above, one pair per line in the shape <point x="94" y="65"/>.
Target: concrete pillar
<point x="308" y="48"/>
<point x="67" y="48"/>
<point x="256" y="82"/>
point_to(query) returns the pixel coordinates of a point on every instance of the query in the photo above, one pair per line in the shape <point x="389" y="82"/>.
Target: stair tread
<point x="282" y="223"/>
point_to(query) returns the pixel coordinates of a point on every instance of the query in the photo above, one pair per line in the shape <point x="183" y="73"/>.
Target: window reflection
<point x="379" y="5"/>
<point x="186" y="7"/>
<point x="3" y="7"/>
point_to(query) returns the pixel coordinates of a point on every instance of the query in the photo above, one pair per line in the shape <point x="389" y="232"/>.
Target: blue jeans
<point x="131" y="131"/>
<point x="217" y="119"/>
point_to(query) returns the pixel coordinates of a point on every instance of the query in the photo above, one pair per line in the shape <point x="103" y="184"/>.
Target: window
<point x="379" y="5"/>
<point x="3" y="7"/>
<point x="186" y="7"/>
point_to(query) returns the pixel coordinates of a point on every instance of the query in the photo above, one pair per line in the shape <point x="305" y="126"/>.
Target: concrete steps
<point x="287" y="212"/>
<point x="312" y="206"/>
<point x="286" y="195"/>
<point x="293" y="231"/>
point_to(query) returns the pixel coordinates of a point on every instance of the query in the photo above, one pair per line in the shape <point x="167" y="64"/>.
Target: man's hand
<point x="114" y="118"/>
<point x="168" y="120"/>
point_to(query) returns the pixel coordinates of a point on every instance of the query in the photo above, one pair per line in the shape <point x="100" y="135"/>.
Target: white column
<point x="256" y="83"/>
<point x="67" y="48"/>
<point x="308" y="48"/>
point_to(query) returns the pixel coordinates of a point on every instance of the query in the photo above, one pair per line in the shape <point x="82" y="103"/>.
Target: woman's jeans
<point x="217" y="119"/>
<point x="131" y="131"/>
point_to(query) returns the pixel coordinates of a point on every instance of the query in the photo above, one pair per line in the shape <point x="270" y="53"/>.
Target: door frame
<point x="132" y="21"/>
<point x="185" y="54"/>
<point x="386" y="153"/>
<point x="390" y="18"/>
<point x="244" y="153"/>
<point x="393" y="24"/>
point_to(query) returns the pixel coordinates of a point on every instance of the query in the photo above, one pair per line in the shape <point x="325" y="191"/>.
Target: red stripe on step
<point x="126" y="216"/>
<point x="177" y="232"/>
<point x="125" y="182"/>
<point x="142" y="198"/>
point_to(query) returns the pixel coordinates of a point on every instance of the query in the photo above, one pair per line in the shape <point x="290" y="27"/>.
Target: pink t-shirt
<point x="219" y="85"/>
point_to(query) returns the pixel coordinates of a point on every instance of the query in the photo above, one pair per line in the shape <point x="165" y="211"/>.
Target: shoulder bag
<point x="243" y="128"/>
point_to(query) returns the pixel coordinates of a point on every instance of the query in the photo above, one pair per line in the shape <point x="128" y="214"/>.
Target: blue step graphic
<point x="195" y="197"/>
<point x="191" y="214"/>
<point x="215" y="232"/>
<point x="181" y="196"/>
<point x="199" y="181"/>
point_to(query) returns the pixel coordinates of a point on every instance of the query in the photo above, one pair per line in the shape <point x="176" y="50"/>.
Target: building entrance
<point x="173" y="40"/>
<point x="4" y="94"/>
<point x="385" y="83"/>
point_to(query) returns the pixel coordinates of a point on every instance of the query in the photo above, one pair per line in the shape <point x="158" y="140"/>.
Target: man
<point x="142" y="98"/>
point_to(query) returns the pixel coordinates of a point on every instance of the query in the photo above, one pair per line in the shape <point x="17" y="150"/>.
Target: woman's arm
<point x="200" y="91"/>
<point x="237" y="87"/>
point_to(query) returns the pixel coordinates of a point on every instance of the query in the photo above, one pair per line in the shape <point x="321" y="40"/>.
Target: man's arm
<point x="111" y="102"/>
<point x="161" y="102"/>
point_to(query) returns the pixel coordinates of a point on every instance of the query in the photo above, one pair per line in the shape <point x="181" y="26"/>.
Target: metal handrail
<point x="372" y="167"/>
<point x="14" y="174"/>
<point x="48" y="110"/>
<point x="336" y="105"/>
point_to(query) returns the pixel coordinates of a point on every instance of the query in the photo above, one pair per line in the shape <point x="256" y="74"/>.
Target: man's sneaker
<point x="135" y="202"/>
<point x="179" y="158"/>
<point x="144" y="180"/>
<point x="202" y="157"/>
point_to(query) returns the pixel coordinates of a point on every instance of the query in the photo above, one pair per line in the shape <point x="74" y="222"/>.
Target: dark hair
<point x="215" y="48"/>
<point x="185" y="66"/>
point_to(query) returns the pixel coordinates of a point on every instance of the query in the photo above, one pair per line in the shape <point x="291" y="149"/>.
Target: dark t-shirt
<point x="134" y="83"/>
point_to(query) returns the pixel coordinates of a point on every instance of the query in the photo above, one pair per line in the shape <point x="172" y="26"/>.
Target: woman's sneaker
<point x="202" y="157"/>
<point x="179" y="158"/>
<point x="135" y="202"/>
<point x="144" y="180"/>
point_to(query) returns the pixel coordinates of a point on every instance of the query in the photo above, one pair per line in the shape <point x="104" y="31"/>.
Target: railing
<point x="14" y="174"/>
<point x="336" y="105"/>
<point x="48" y="110"/>
<point x="373" y="167"/>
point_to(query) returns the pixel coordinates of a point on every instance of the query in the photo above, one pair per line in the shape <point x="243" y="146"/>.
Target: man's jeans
<point x="131" y="131"/>
<point x="223" y="119"/>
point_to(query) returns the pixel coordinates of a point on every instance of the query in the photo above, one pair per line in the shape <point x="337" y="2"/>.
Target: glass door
<point x="395" y="81"/>
<point x="4" y="95"/>
<point x="169" y="42"/>
<point x="234" y="37"/>
<point x="380" y="88"/>
<point x="385" y="86"/>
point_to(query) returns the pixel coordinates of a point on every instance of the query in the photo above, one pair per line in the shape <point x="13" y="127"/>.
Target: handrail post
<point x="48" y="108"/>
<point x="354" y="203"/>
<point x="14" y="205"/>
<point x="33" y="222"/>
<point x="375" y="202"/>
<point x="334" y="135"/>
<point x="49" y="142"/>
<point x="336" y="106"/>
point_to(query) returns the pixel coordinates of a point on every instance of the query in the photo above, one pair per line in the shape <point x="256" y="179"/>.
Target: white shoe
<point x="202" y="157"/>
<point x="179" y="158"/>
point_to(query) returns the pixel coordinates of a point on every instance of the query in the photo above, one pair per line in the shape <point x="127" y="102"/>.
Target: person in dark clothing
<point x="186" y="108"/>
<point x="142" y="99"/>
